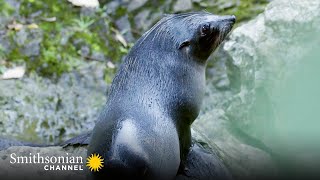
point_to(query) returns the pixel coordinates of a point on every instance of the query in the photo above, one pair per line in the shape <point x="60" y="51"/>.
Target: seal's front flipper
<point x="202" y="164"/>
<point x="81" y="140"/>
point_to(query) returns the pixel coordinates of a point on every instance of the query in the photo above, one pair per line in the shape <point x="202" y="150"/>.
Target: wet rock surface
<point x="269" y="96"/>
<point x="9" y="160"/>
<point x="267" y="50"/>
<point x="39" y="110"/>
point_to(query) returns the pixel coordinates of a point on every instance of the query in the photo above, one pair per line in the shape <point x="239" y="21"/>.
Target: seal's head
<point x="196" y="34"/>
<point x="208" y="31"/>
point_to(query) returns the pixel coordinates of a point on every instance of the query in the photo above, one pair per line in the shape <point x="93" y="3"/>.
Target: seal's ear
<point x="184" y="44"/>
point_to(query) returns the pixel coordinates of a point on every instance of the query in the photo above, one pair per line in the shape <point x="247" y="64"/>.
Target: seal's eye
<point x="205" y="29"/>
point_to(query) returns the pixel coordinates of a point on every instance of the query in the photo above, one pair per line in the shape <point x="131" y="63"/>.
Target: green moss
<point x="62" y="10"/>
<point x="55" y="57"/>
<point x="121" y="11"/>
<point x="244" y="9"/>
<point x="2" y="54"/>
<point x="77" y="31"/>
<point x="247" y="9"/>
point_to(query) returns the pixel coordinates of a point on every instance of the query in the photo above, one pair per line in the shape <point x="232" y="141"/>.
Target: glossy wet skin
<point x="144" y="130"/>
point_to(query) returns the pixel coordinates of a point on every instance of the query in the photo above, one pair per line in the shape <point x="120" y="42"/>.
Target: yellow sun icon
<point x="95" y="162"/>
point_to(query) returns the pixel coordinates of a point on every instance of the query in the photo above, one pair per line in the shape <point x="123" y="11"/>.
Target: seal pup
<point x="143" y="131"/>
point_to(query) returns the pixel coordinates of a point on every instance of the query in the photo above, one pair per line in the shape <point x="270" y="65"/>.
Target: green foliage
<point x="82" y="24"/>
<point x="2" y="53"/>
<point x="121" y="11"/>
<point x="242" y="9"/>
<point x="63" y="39"/>
<point x="247" y="9"/>
<point x="60" y="49"/>
<point x="6" y="9"/>
<point x="54" y="58"/>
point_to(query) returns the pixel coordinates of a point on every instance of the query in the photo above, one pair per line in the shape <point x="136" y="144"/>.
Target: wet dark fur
<point x="144" y="129"/>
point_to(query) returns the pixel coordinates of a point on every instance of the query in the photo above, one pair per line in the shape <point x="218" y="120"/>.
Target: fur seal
<point x="143" y="131"/>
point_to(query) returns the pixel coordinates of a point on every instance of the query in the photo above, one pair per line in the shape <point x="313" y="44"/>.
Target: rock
<point x="267" y="50"/>
<point x="98" y="56"/>
<point x="31" y="49"/>
<point x="88" y="12"/>
<point x="197" y="1"/>
<point x="5" y="44"/>
<point x="15" y="26"/>
<point x="136" y="4"/>
<point x="85" y="3"/>
<point x="29" y="41"/>
<point x="84" y="51"/>
<point x="21" y="37"/>
<point x="182" y="5"/>
<point x="144" y="20"/>
<point x="112" y="6"/>
<point x="35" y="168"/>
<point x="274" y="104"/>
<point x="227" y="5"/>
<point x="6" y="143"/>
<point x="243" y="160"/>
<point x="15" y="4"/>
<point x="14" y="73"/>
<point x="40" y="110"/>
<point x="36" y="14"/>
<point x="124" y="26"/>
<point x="141" y="20"/>
<point x="217" y="71"/>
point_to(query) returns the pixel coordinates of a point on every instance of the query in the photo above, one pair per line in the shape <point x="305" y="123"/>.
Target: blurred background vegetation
<point x="54" y="37"/>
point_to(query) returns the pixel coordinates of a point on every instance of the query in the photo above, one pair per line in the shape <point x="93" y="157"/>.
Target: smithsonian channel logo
<point x="64" y="162"/>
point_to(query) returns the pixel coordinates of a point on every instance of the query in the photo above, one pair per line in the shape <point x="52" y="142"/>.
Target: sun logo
<point x="95" y="162"/>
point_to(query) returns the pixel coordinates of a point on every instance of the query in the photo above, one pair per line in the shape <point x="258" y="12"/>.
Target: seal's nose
<point x="229" y="19"/>
<point x="233" y="18"/>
